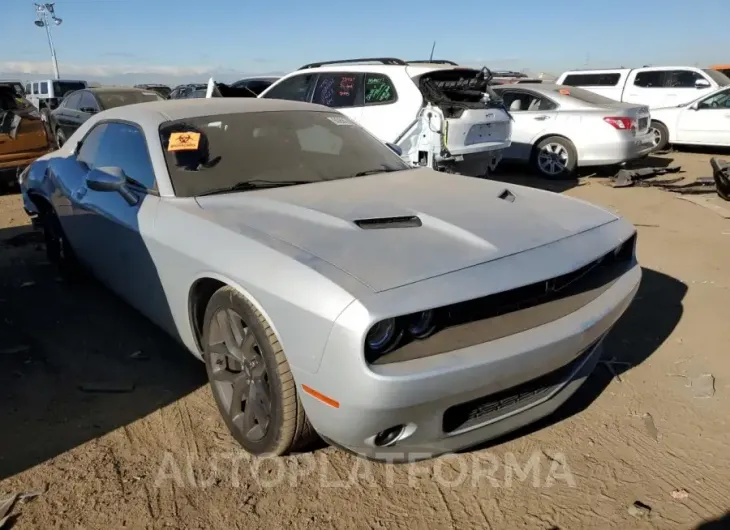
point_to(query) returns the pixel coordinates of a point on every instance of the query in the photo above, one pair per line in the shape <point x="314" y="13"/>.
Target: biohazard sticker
<point x="185" y="141"/>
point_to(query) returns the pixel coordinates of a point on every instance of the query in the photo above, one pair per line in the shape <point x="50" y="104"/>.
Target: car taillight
<point x="623" y="124"/>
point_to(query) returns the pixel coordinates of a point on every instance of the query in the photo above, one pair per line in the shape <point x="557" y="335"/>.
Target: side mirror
<point x="111" y="179"/>
<point x="701" y="83"/>
<point x="396" y="149"/>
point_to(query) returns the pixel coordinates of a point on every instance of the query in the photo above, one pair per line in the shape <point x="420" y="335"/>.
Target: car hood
<point x="464" y="221"/>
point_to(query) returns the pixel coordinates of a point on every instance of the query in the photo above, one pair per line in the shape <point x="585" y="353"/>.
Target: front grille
<point x="510" y="312"/>
<point x="486" y="408"/>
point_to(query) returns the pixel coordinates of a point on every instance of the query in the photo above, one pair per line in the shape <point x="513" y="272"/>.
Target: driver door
<point x="707" y="122"/>
<point x="112" y="231"/>
<point x="533" y="115"/>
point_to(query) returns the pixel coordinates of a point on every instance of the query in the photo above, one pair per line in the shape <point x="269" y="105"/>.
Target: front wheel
<point x="60" y="137"/>
<point x="250" y="378"/>
<point x="555" y="158"/>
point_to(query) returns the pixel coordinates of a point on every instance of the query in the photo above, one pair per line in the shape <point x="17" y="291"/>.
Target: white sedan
<point x="704" y="121"/>
<point x="558" y="128"/>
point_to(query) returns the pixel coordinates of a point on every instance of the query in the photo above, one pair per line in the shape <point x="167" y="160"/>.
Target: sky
<point x="174" y="41"/>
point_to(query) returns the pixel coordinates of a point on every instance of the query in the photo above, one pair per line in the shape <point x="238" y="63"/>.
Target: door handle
<point x="541" y="118"/>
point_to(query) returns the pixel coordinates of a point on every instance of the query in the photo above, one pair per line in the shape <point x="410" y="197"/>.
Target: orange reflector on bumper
<point x="321" y="397"/>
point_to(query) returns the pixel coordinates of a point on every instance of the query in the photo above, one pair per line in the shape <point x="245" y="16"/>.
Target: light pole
<point x="43" y="11"/>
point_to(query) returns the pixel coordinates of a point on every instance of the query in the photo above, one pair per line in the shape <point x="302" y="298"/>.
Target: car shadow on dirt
<point x="646" y="324"/>
<point x="723" y="523"/>
<point x="75" y="361"/>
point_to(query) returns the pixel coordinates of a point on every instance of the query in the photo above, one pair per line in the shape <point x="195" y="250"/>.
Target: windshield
<point x="718" y="77"/>
<point x="209" y="153"/>
<point x="583" y="95"/>
<point x="109" y="99"/>
<point x="61" y="88"/>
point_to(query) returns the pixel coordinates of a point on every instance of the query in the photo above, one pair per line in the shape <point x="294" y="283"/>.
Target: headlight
<point x="420" y="325"/>
<point x="381" y="335"/>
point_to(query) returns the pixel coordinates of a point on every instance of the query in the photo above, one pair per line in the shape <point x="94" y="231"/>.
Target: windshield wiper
<point x="374" y="171"/>
<point x="255" y="184"/>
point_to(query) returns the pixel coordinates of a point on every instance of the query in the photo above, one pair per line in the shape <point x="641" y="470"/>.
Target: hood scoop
<point x="379" y="223"/>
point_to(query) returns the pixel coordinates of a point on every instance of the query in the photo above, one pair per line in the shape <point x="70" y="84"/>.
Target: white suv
<point x="433" y="113"/>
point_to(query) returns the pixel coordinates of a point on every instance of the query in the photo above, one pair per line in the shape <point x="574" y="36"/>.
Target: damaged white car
<point x="434" y="113"/>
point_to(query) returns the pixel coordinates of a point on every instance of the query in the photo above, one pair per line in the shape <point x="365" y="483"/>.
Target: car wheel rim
<point x="238" y="375"/>
<point x="656" y="137"/>
<point x="553" y="159"/>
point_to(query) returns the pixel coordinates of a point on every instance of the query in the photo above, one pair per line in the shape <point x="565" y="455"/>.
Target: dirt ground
<point x="154" y="454"/>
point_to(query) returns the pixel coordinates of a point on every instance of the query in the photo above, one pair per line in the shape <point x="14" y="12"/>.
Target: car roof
<point x="413" y="69"/>
<point x="102" y="89"/>
<point x="156" y="112"/>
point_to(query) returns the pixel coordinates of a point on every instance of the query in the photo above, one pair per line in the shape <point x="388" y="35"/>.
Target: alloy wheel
<point x="552" y="159"/>
<point x="239" y="376"/>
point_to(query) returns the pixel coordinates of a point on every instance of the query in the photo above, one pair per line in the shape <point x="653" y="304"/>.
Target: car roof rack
<point x="434" y="61"/>
<point x="383" y="60"/>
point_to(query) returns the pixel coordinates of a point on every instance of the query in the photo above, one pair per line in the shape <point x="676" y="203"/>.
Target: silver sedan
<point x="559" y="128"/>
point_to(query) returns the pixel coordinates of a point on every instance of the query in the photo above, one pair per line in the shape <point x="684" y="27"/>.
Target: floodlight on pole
<point x="43" y="11"/>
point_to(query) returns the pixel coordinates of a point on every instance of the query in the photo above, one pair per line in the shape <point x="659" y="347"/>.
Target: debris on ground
<point x="703" y="386"/>
<point x="631" y="177"/>
<point x="27" y="284"/>
<point x="610" y="363"/>
<point x="680" y="494"/>
<point x="14" y="349"/>
<point x="139" y="355"/>
<point x="639" y="509"/>
<point x="650" y="427"/>
<point x="101" y="387"/>
<point x="5" y="506"/>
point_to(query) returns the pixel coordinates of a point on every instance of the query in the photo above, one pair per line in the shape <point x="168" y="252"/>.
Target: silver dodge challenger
<point x="330" y="288"/>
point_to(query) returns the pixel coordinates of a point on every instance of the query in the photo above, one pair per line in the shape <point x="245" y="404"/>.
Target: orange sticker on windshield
<point x="564" y="91"/>
<point x="187" y="141"/>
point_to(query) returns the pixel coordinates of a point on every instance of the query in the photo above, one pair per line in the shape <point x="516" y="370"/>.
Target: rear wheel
<point x="555" y="158"/>
<point x="660" y="136"/>
<point x="250" y="378"/>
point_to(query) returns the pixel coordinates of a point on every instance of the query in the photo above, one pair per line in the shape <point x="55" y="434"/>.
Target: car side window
<point x="44" y="87"/>
<point x="716" y="101"/>
<point x="681" y="78"/>
<point x="379" y="89"/>
<point x="125" y="146"/>
<point x="518" y="101"/>
<point x="649" y="79"/>
<point x="603" y="79"/>
<point x="88" y="102"/>
<point x="72" y="101"/>
<point x="339" y="90"/>
<point x="27" y="89"/>
<point x="90" y="146"/>
<point x="295" y="88"/>
<point x="35" y="88"/>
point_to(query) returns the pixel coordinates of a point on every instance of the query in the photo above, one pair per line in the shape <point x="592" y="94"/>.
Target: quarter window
<point x="90" y="146"/>
<point x="379" y="89"/>
<point x="295" y="88"/>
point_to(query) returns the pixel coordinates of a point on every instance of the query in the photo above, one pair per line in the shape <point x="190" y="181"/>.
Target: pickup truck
<point x="653" y="86"/>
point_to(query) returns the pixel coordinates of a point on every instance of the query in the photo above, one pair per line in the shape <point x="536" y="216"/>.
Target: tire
<point x="277" y="424"/>
<point x="60" y="138"/>
<point x="555" y="158"/>
<point x="661" y="135"/>
<point x="58" y="249"/>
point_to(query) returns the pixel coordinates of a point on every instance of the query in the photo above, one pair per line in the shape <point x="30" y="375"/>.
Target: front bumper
<point x="624" y="149"/>
<point x="555" y="359"/>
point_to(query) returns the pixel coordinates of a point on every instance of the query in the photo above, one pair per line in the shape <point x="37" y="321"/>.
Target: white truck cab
<point x="437" y="113"/>
<point x="653" y="86"/>
<point x="48" y="93"/>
